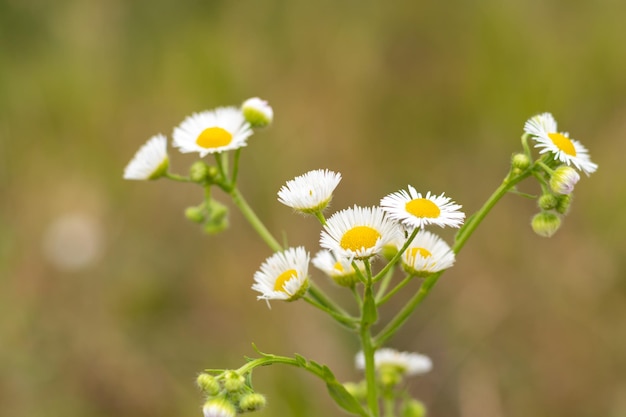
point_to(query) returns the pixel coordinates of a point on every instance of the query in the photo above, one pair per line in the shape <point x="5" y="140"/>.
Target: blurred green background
<point x="111" y="301"/>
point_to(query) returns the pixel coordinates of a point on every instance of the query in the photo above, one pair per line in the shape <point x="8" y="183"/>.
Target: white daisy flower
<point x="544" y="131"/>
<point x="310" y="192"/>
<point x="426" y="254"/>
<point x="257" y="112"/>
<point x="358" y="232"/>
<point x="283" y="276"/>
<point x="212" y="131"/>
<point x="338" y="268"/>
<point x="413" y="210"/>
<point x="407" y="363"/>
<point x="150" y="162"/>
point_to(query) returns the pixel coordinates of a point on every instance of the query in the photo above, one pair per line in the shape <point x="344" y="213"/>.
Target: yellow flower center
<point x="214" y="137"/>
<point x="282" y="279"/>
<point x="359" y="237"/>
<point x="563" y="143"/>
<point x="423" y="207"/>
<point x="338" y="267"/>
<point x="423" y="252"/>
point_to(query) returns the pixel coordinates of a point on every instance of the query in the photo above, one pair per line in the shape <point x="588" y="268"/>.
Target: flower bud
<point x="564" y="203"/>
<point x="546" y="223"/>
<point x="257" y="112"/>
<point x="217" y="220"/>
<point x="219" y="407"/>
<point x="520" y="161"/>
<point x="233" y="382"/>
<point x="390" y="375"/>
<point x="563" y="179"/>
<point x="195" y="213"/>
<point x="208" y="384"/>
<point x="252" y="402"/>
<point x="199" y="172"/>
<point x="547" y="202"/>
<point x="413" y="408"/>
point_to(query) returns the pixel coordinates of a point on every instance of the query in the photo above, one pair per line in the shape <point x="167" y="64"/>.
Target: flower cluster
<point x="352" y="240"/>
<point x="227" y="394"/>
<point x="557" y="170"/>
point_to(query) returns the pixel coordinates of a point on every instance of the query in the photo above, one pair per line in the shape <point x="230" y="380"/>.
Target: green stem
<point x="369" y="308"/>
<point x="346" y="321"/>
<point x="233" y="180"/>
<point x="384" y="284"/>
<point x="254" y="221"/>
<point x="397" y="256"/>
<point x="177" y="177"/>
<point x="370" y="370"/>
<point x="470" y="226"/>
<point x="397" y="288"/>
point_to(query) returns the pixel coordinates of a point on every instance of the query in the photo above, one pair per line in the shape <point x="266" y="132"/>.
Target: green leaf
<point x="301" y="360"/>
<point x="344" y="399"/>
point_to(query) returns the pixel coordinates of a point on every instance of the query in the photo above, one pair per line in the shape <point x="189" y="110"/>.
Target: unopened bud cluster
<point x="228" y="394"/>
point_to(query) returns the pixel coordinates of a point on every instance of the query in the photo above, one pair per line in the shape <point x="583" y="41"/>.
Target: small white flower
<point x="218" y="407"/>
<point x="564" y="179"/>
<point x="407" y="362"/>
<point x="426" y="254"/>
<point x="283" y="276"/>
<point x="358" y="232"/>
<point x="414" y="210"/>
<point x="257" y="112"/>
<point x="310" y="192"/>
<point x="544" y="131"/>
<point x="212" y="131"/>
<point x="150" y="162"/>
<point x="338" y="268"/>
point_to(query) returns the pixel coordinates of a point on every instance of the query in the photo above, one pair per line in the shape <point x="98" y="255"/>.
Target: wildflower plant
<point x="354" y="240"/>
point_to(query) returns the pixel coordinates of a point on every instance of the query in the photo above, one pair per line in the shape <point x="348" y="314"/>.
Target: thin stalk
<point x="370" y="370"/>
<point x="395" y="289"/>
<point x="348" y="322"/>
<point x="254" y="221"/>
<point x="396" y="257"/>
<point x="177" y="177"/>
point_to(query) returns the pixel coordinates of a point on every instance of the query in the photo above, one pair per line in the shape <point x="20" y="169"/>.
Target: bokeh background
<point x="111" y="301"/>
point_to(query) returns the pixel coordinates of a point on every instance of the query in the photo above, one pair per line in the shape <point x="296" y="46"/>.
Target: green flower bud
<point x="195" y="213"/>
<point x="208" y="384"/>
<point x="389" y="251"/>
<point x="252" y="402"/>
<point x="564" y="203"/>
<point x="233" y="382"/>
<point x="546" y="223"/>
<point x="563" y="179"/>
<point x="413" y="408"/>
<point x="520" y="161"/>
<point x="219" y="407"/>
<point x="547" y="202"/>
<point x="217" y="220"/>
<point x="257" y="112"/>
<point x="199" y="172"/>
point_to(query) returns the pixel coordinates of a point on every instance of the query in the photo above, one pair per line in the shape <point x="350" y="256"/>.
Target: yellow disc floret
<point x="423" y="252"/>
<point x="359" y="237"/>
<point x="423" y="207"/>
<point x="282" y="279"/>
<point x="563" y="143"/>
<point x="214" y="137"/>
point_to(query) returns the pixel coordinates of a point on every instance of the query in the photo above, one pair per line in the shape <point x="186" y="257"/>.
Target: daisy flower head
<point x="408" y="363"/>
<point x="283" y="276"/>
<point x="212" y="131"/>
<point x="338" y="268"/>
<point x="414" y="210"/>
<point x="311" y="192"/>
<point x="358" y="232"/>
<point x="426" y="254"/>
<point x="543" y="130"/>
<point x="150" y="162"/>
